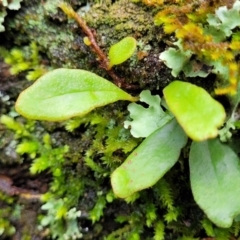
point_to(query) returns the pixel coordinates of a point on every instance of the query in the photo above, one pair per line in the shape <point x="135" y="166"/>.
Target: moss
<point x="62" y="40"/>
<point x="124" y="18"/>
<point x="75" y="164"/>
<point x="6" y="215"/>
<point x="209" y="40"/>
<point x="80" y="179"/>
<point x="119" y="20"/>
<point x="39" y="23"/>
<point x="26" y="59"/>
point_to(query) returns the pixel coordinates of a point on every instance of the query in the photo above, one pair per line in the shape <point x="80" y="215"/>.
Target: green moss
<point x="124" y="18"/>
<point x="80" y="195"/>
<point x="78" y="164"/>
<point x="121" y="19"/>
<point x="42" y="23"/>
<point x="26" y="59"/>
<point x="62" y="40"/>
<point x="6" y="215"/>
<point x="204" y="37"/>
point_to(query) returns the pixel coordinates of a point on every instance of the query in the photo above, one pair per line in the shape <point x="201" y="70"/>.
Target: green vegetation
<point x="81" y="92"/>
<point x="60" y="85"/>
<point x="26" y="59"/>
<point x="6" y="215"/>
<point x="207" y="34"/>
<point x="121" y="51"/>
<point x="161" y="139"/>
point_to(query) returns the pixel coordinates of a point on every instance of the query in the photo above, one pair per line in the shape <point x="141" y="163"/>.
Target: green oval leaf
<point x="196" y="111"/>
<point x="65" y="93"/>
<point x="150" y="161"/>
<point x="122" y="51"/>
<point x="215" y="180"/>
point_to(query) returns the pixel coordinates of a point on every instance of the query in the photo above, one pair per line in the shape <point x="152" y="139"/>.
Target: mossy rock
<point x="80" y="177"/>
<point x="62" y="40"/>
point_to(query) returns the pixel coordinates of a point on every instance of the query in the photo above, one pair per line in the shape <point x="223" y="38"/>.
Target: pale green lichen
<point x="11" y="5"/>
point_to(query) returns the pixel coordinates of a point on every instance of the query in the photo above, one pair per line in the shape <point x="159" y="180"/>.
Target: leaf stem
<point x="102" y="58"/>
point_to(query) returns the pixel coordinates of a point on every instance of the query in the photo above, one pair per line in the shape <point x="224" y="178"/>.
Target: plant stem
<point x="102" y="58"/>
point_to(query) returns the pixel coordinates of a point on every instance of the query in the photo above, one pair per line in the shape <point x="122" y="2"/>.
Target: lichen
<point x="4" y="5"/>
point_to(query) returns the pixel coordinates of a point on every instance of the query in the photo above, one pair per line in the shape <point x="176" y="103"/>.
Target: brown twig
<point x="91" y="42"/>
